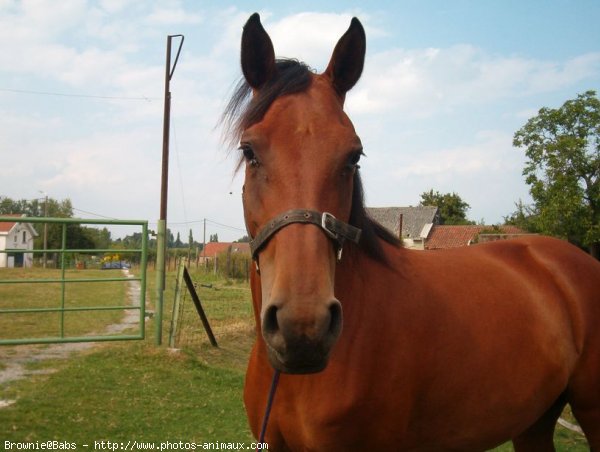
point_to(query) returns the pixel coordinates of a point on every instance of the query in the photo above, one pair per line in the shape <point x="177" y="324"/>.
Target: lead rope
<point x="263" y="429"/>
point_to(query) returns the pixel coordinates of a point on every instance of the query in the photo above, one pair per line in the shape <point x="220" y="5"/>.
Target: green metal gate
<point x="28" y="294"/>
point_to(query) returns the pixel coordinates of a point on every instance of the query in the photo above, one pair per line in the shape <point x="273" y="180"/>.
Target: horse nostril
<point x="270" y="323"/>
<point x="335" y="318"/>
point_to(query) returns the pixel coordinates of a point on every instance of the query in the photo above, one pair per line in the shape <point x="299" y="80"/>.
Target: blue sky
<point x="446" y="84"/>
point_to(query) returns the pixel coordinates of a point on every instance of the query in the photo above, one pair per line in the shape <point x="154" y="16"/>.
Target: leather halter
<point x="336" y="230"/>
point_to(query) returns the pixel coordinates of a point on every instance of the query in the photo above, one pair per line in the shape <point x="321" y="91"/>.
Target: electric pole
<point x="164" y="188"/>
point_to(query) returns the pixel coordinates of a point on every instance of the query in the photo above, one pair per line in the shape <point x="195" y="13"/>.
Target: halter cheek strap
<point x="336" y="230"/>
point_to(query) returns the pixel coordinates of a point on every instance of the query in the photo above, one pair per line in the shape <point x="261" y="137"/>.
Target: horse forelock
<point x="244" y="110"/>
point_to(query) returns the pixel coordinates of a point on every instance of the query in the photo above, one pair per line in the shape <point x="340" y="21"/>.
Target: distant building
<point x="411" y="224"/>
<point x="451" y="236"/>
<point x="213" y="249"/>
<point x="16" y="236"/>
<point x="421" y="229"/>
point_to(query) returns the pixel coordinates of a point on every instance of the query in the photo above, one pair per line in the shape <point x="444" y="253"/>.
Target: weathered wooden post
<point x="164" y="188"/>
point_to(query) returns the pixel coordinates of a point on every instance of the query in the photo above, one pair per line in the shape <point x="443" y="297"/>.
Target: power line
<point x="95" y="214"/>
<point x="85" y="96"/>
<point x="225" y="225"/>
<point x="184" y="223"/>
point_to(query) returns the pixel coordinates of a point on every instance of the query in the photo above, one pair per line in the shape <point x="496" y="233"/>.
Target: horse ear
<point x="258" y="55"/>
<point x="348" y="59"/>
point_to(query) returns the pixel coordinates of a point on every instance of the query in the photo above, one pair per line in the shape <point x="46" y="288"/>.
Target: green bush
<point x="234" y="265"/>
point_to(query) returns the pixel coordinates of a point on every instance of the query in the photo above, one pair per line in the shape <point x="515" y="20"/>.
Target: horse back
<point x="494" y="329"/>
<point x="571" y="274"/>
<point x="547" y="283"/>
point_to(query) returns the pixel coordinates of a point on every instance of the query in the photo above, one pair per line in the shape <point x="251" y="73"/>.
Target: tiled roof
<point x="8" y="225"/>
<point x="240" y="247"/>
<point x="215" y="248"/>
<point x="450" y="236"/>
<point x="413" y="219"/>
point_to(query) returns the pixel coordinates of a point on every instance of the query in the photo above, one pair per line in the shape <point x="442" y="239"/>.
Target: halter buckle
<point x="331" y="233"/>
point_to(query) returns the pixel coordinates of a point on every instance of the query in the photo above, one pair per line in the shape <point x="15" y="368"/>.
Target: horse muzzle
<point x="299" y="341"/>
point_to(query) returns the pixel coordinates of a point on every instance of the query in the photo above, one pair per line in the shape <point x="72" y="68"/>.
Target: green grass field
<point x="136" y="391"/>
<point x="49" y="295"/>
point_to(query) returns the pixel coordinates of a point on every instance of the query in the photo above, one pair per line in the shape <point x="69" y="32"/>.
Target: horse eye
<point x="249" y="154"/>
<point x="355" y="158"/>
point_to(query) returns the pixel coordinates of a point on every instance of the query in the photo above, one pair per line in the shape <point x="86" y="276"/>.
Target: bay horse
<point x="380" y="347"/>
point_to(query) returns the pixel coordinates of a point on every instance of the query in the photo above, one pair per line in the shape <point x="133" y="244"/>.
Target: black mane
<point x="243" y="111"/>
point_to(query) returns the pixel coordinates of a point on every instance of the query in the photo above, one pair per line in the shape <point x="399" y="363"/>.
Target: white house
<point x="16" y="236"/>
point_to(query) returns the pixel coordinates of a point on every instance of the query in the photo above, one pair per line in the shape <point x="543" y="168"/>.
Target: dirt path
<point x="15" y="360"/>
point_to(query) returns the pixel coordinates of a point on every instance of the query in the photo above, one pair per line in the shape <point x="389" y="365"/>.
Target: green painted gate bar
<point x="63" y="281"/>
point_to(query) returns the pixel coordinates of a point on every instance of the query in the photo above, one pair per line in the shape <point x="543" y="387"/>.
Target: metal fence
<point x="63" y="277"/>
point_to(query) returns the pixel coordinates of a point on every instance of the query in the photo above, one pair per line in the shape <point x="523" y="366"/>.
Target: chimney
<point x="400" y="233"/>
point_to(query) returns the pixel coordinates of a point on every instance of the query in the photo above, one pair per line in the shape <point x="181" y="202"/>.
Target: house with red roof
<point x="213" y="249"/>
<point x="454" y="236"/>
<point x="14" y="236"/>
<point x="419" y="228"/>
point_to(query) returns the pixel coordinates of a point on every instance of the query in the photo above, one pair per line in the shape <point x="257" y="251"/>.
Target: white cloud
<point x="89" y="164"/>
<point x="92" y="67"/>
<point x="485" y="171"/>
<point x="231" y="22"/>
<point x="491" y="152"/>
<point x="115" y="6"/>
<point x="423" y="82"/>
<point x="172" y="15"/>
<point x="309" y="37"/>
<point x="526" y="114"/>
<point x="31" y="43"/>
<point x="53" y="15"/>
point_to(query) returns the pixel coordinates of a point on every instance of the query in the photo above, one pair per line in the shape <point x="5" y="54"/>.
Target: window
<point x="24" y="237"/>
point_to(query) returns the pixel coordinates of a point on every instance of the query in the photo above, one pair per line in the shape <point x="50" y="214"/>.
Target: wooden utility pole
<point x="164" y="188"/>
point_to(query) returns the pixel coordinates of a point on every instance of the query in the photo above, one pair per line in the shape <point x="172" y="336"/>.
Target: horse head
<point x="301" y="155"/>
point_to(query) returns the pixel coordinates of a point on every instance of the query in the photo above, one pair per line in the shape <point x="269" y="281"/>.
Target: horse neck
<point x="362" y="283"/>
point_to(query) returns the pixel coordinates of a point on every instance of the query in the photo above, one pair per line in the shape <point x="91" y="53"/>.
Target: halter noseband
<point x="336" y="230"/>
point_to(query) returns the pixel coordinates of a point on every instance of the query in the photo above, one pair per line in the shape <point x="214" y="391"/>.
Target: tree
<point x="213" y="238"/>
<point x="170" y="238"/>
<point x="101" y="237"/>
<point x="31" y="208"/>
<point x="563" y="150"/>
<point x="451" y="208"/>
<point x="525" y="217"/>
<point x="35" y="207"/>
<point x="133" y="241"/>
<point x="178" y="243"/>
<point x="76" y="236"/>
